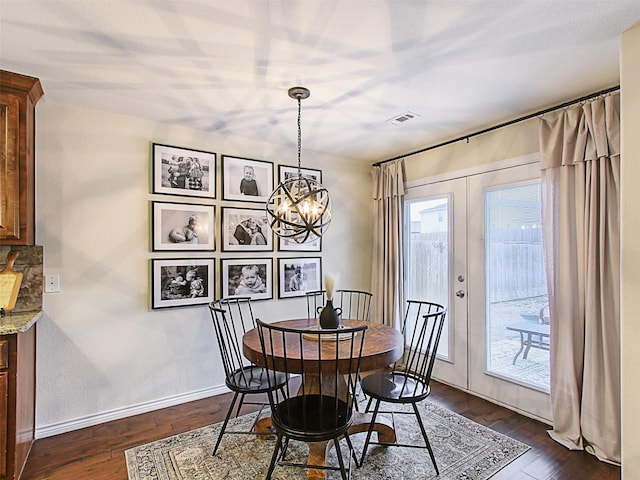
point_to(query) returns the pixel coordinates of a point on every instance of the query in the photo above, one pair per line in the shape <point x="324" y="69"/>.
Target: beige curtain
<point x="581" y="182"/>
<point x="387" y="269"/>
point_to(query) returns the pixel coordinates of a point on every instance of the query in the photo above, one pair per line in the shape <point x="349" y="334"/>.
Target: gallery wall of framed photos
<point x="210" y="236"/>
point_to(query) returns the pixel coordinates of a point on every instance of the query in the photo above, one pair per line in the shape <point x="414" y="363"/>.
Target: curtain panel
<point x="580" y="200"/>
<point x="387" y="269"/>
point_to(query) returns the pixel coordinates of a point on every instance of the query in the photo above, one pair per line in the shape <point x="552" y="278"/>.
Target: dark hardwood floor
<point x="97" y="453"/>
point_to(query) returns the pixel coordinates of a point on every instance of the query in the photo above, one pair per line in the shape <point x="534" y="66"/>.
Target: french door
<point x="475" y="244"/>
<point x="436" y="265"/>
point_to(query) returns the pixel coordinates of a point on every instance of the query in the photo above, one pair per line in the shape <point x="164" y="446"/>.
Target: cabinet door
<point x="4" y="389"/>
<point x="9" y="167"/>
<point x="18" y="97"/>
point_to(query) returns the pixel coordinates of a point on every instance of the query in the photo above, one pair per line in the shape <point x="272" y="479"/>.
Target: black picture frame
<point x="182" y="282"/>
<point x="289" y="245"/>
<point x="298" y="275"/>
<point x="245" y="230"/>
<point x="171" y="227"/>
<point x="236" y="187"/>
<point x="175" y="171"/>
<point x="286" y="172"/>
<point x="232" y="271"/>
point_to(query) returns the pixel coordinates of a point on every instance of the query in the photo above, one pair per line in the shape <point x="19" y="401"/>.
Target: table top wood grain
<point x="383" y="345"/>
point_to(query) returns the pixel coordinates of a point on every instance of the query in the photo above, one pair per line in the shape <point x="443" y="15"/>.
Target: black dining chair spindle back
<point x="321" y="408"/>
<point x="408" y="380"/>
<point x="232" y="317"/>
<point x="355" y="304"/>
<point x="315" y="299"/>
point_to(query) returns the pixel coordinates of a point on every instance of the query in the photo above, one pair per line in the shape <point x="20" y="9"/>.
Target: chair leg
<point x="343" y="472"/>
<point x="360" y="393"/>
<point x="240" y="404"/>
<point x="366" y="410"/>
<point x="284" y="448"/>
<point x="224" y="424"/>
<point x="353" y="452"/>
<point x="424" y="434"/>
<point x="358" y="390"/>
<point x="274" y="457"/>
<point x="370" y="431"/>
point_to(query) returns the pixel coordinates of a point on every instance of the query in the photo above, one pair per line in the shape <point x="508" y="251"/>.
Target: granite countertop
<point x="18" y="322"/>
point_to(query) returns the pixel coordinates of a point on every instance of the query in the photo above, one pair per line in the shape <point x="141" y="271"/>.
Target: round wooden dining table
<point x="383" y="345"/>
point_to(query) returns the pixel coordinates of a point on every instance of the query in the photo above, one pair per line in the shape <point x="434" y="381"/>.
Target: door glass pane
<point x="516" y="288"/>
<point x="427" y="266"/>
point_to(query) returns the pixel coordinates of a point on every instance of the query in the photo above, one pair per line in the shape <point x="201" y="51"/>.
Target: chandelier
<point x="299" y="208"/>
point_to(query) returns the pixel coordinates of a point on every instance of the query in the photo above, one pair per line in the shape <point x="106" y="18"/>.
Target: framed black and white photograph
<point x="247" y="277"/>
<point x="246" y="180"/>
<point x="183" y="227"/>
<point x="182" y="282"/>
<point x="285" y="172"/>
<point x="246" y="230"/>
<point x="183" y="171"/>
<point x="299" y="275"/>
<point x="289" y="245"/>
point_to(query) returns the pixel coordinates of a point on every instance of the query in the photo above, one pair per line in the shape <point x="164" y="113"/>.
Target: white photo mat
<point x="182" y="282"/>
<point x="246" y="179"/>
<point x="297" y="276"/>
<point x="246" y="230"/>
<point x="247" y="277"/>
<point x="175" y="171"/>
<point x="183" y="227"/>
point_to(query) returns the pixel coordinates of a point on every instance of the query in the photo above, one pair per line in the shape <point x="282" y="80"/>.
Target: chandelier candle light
<point x="299" y="208"/>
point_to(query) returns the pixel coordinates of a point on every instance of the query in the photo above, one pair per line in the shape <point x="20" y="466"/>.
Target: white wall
<point x="506" y="143"/>
<point x="630" y="261"/>
<point x="102" y="353"/>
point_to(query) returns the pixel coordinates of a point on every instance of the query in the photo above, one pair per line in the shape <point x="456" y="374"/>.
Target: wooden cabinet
<point x="17" y="401"/>
<point x="18" y="97"/>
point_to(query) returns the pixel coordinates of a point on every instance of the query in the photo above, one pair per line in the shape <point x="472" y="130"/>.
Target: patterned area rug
<point x="463" y="450"/>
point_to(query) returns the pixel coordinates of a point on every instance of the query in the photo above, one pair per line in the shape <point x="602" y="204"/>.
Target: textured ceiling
<point x="225" y="66"/>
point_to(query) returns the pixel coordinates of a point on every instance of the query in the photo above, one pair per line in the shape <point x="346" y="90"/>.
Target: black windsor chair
<point x="315" y="299"/>
<point x="408" y="380"/>
<point x="321" y="409"/>
<point x="355" y="304"/>
<point x="232" y="317"/>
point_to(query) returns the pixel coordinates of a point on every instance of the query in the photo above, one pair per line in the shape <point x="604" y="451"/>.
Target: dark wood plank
<point x="98" y="452"/>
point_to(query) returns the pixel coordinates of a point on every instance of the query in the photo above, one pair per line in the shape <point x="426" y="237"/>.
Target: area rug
<point x="463" y="450"/>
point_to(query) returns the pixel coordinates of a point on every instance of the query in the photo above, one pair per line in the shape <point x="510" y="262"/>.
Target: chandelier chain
<point x="299" y="137"/>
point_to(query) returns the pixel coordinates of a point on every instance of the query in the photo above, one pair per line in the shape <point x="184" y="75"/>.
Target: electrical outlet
<point x="51" y="283"/>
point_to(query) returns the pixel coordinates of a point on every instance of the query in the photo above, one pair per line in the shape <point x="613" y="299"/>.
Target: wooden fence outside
<point x="515" y="264"/>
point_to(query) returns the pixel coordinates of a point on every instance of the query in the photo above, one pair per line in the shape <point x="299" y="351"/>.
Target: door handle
<point x="460" y="293"/>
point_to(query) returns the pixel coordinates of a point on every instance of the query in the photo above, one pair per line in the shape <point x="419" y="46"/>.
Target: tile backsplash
<point x="29" y="262"/>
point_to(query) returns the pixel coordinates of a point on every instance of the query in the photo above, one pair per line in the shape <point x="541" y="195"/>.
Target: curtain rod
<point x="505" y="124"/>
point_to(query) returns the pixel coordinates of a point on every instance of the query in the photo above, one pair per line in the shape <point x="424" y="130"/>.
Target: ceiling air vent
<point x="402" y="118"/>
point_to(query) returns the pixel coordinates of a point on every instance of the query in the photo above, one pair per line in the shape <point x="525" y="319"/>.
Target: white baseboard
<point x="43" y="431"/>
